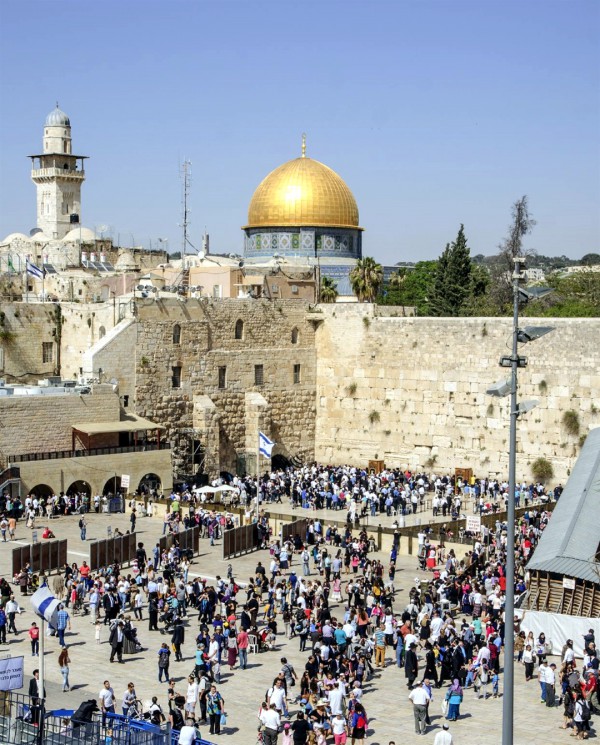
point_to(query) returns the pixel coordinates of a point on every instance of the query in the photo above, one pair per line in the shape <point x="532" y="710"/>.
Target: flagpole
<point x="41" y="668"/>
<point x="258" y="477"/>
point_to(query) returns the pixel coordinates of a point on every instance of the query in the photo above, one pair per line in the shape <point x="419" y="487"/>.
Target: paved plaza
<point x="389" y="711"/>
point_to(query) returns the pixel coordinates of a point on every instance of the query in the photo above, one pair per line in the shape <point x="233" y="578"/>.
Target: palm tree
<point x="366" y="279"/>
<point x="328" y="290"/>
<point x="397" y="278"/>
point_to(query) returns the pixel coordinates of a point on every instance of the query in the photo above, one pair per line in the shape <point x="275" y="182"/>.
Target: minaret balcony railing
<point x="68" y="173"/>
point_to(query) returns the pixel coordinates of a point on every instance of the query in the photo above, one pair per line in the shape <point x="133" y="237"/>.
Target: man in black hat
<point x="116" y="639"/>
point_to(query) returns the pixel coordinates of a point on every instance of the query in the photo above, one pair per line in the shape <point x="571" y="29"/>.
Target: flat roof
<point x="131" y="423"/>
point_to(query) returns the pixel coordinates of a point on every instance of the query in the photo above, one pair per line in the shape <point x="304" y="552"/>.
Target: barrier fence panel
<point x="120" y="549"/>
<point x="297" y="527"/>
<point x="240" y="540"/>
<point x="43" y="557"/>
<point x="188" y="539"/>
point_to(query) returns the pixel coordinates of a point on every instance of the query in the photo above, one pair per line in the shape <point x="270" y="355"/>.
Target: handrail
<point x="58" y="454"/>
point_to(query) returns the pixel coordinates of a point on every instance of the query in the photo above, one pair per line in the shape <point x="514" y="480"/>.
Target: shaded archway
<point x="42" y="490"/>
<point x="149" y="484"/>
<point x="112" y="486"/>
<point x="80" y="487"/>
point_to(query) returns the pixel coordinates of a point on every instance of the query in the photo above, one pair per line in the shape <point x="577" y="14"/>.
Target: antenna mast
<point x="186" y="180"/>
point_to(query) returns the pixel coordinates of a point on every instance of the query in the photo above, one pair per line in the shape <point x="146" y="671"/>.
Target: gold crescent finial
<point x="304" y="144"/>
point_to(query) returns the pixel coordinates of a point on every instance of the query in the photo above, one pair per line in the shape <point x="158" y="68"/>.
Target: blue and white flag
<point x="265" y="446"/>
<point x="45" y="605"/>
<point x="34" y="270"/>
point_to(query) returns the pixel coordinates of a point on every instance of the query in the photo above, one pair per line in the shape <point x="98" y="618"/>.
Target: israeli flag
<point x="45" y="605"/>
<point x="265" y="446"/>
<point x="34" y="270"/>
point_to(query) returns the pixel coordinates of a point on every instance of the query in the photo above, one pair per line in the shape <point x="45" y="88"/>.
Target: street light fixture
<point x="501" y="389"/>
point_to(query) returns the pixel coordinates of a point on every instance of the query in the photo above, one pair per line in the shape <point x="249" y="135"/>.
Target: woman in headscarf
<point x="454" y="697"/>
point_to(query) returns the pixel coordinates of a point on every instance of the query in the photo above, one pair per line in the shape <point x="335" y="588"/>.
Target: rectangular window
<point x="47" y="351"/>
<point x="176" y="377"/>
<point x="296" y="373"/>
<point x="259" y="377"/>
<point x="222" y="377"/>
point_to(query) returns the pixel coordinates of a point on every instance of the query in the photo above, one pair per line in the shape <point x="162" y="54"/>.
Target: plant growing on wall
<point x="366" y="321"/>
<point x="430" y="462"/>
<point x="542" y="470"/>
<point x="374" y="417"/>
<point x="543" y="386"/>
<point x="144" y="361"/>
<point x="570" y="422"/>
<point x="351" y="389"/>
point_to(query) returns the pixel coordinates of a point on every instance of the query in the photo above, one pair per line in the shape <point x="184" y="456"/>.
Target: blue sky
<point x="435" y="113"/>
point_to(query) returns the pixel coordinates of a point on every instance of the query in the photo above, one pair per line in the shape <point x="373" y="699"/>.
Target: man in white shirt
<point x="188" y="733"/>
<point x="420" y="698"/>
<point x="276" y="696"/>
<point x="272" y="721"/>
<point x="107" y="701"/>
<point x="444" y="737"/>
<point x="336" y="699"/>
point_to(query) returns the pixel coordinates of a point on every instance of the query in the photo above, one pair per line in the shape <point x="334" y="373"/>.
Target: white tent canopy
<point x="214" y="489"/>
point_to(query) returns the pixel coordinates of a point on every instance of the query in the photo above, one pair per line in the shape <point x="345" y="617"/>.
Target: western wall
<point x="411" y="391"/>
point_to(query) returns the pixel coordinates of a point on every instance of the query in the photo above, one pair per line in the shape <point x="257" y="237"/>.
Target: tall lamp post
<point x="506" y="387"/>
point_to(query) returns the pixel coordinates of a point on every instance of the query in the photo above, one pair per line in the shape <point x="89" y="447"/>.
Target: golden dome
<point x="303" y="192"/>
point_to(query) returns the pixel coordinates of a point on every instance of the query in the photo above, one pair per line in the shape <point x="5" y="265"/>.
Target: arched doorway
<point x="112" y="486"/>
<point x="42" y="490"/>
<point x="80" y="487"/>
<point x="150" y="485"/>
<point x="280" y="461"/>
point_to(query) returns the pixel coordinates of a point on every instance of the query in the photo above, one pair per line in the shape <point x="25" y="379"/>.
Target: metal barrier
<point x="240" y="540"/>
<point x="43" y="557"/>
<point x="120" y="549"/>
<point x="297" y="527"/>
<point x="188" y="540"/>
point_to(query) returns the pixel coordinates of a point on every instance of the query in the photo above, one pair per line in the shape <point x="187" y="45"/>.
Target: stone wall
<point x="207" y="343"/>
<point x="36" y="424"/>
<point x="412" y="391"/>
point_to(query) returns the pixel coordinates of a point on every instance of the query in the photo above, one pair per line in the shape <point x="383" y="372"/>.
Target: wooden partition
<point x="47" y="557"/>
<point x="120" y="549"/>
<point x="242" y="540"/>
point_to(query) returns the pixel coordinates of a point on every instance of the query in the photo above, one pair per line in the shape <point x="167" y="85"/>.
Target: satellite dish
<point x="241" y="263"/>
<point x="114" y="381"/>
<point x="201" y="254"/>
<point x="102" y="228"/>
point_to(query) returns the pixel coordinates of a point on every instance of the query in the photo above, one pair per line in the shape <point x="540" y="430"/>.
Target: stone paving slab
<point x="385" y="697"/>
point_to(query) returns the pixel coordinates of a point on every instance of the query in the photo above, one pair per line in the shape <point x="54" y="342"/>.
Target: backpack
<point x="585" y="711"/>
<point x="177" y="719"/>
<point x="360" y="720"/>
<point x="81" y="522"/>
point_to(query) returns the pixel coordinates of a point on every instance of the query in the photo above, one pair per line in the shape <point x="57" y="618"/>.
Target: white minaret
<point x="58" y="175"/>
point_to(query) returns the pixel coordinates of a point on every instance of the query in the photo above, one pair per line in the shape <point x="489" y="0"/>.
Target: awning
<point x="131" y="423"/>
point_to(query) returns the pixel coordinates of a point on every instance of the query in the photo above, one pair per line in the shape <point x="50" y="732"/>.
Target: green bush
<point x="542" y="470"/>
<point x="571" y="422"/>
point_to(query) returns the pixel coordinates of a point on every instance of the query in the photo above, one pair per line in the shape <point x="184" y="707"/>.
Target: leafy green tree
<point x="328" y="291"/>
<point x="590" y="259"/>
<point x="417" y="286"/>
<point x="452" y="286"/>
<point x="575" y="295"/>
<point x="366" y="279"/>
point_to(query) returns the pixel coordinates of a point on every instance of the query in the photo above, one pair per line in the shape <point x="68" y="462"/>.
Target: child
<point x="287" y="735"/>
<point x="495" y="684"/>
<point x="98" y="627"/>
<point x="34" y="635"/>
<point x="216" y="671"/>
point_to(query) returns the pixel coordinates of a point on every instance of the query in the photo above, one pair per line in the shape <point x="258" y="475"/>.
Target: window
<point x="101" y="332"/>
<point x="222" y="377"/>
<point x="176" y="334"/>
<point x="47" y="351"/>
<point x="176" y="377"/>
<point x="1" y="358"/>
<point x="125" y="401"/>
<point x="217" y="293"/>
<point x="294" y="289"/>
<point x="259" y="375"/>
<point x="239" y="329"/>
<point x="296" y="374"/>
<point x="294" y="336"/>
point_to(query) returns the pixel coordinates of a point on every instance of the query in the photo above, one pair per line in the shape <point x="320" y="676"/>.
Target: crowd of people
<point x="327" y="590"/>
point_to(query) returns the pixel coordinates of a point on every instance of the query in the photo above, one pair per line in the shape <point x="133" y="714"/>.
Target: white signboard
<point x="11" y="673"/>
<point x="473" y="524"/>
<point x="125" y="481"/>
<point x="568" y="583"/>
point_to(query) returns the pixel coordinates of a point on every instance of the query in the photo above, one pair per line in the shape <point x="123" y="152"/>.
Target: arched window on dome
<point x="176" y="334"/>
<point x="239" y="329"/>
<point x="294" y="335"/>
<point x="101" y="332"/>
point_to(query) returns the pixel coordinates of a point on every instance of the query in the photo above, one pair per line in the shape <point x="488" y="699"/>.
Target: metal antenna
<point x="186" y="180"/>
